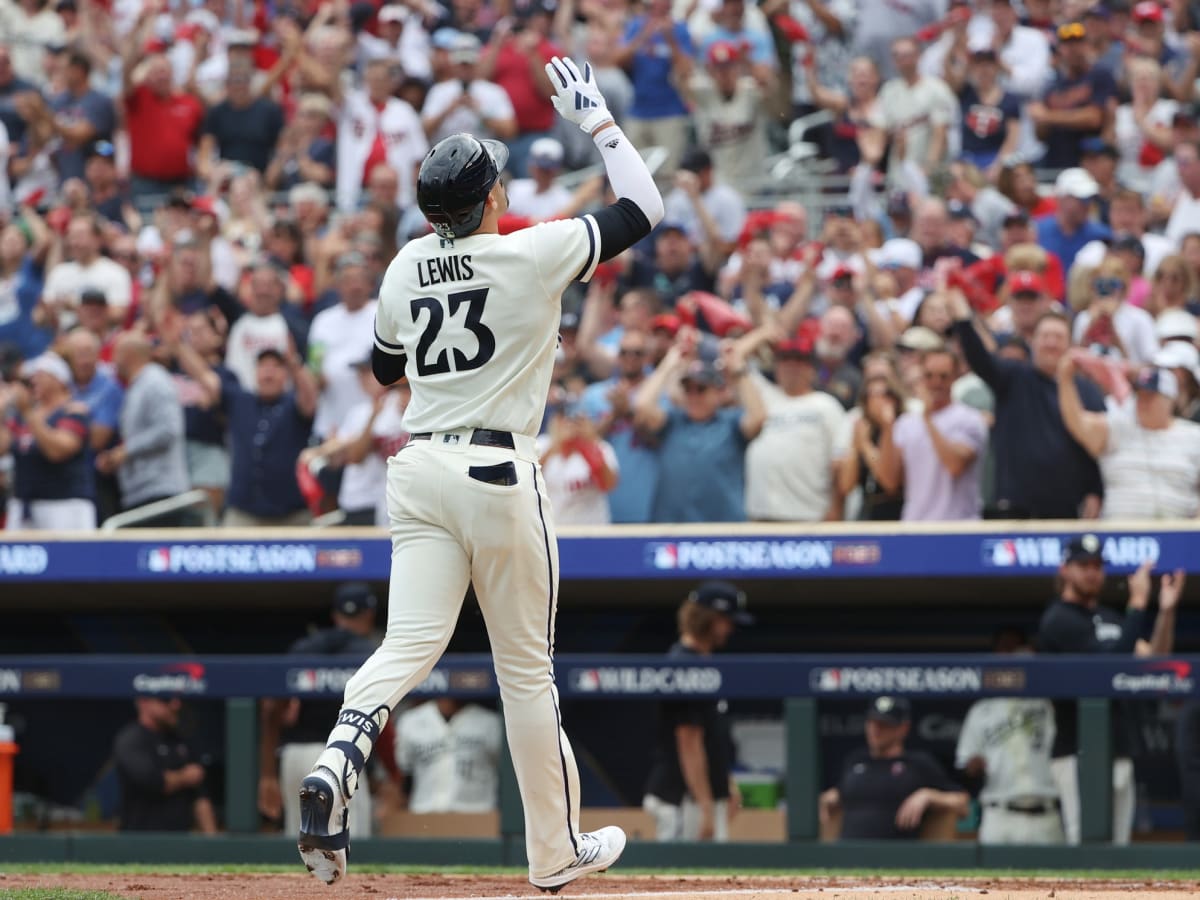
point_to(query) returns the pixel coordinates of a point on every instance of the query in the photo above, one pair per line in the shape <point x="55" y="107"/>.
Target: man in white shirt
<point x="917" y="112"/>
<point x="375" y="127"/>
<point x="402" y="39"/>
<point x="341" y="336"/>
<point x="465" y="102"/>
<point x="1185" y="215"/>
<point x="710" y="210"/>
<point x="540" y="196"/>
<point x="790" y="465"/>
<point x="1023" y="52"/>
<point x="87" y="269"/>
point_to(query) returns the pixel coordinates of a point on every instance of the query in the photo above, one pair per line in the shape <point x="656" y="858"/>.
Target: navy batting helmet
<point x="454" y="181"/>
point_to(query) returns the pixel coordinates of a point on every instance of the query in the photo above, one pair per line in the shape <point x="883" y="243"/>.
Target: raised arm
<point x="1088" y="428"/>
<point x="648" y="413"/>
<point x="639" y="205"/>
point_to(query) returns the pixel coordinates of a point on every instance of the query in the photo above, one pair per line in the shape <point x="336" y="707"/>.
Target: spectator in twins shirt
<point x="579" y="467"/>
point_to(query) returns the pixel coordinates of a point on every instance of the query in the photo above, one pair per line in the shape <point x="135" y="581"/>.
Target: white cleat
<point x="597" y="851"/>
<point x="324" y="837"/>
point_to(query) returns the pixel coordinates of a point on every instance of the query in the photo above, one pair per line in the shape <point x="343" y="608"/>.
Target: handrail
<point x="195" y="499"/>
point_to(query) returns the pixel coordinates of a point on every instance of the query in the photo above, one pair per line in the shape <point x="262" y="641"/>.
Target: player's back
<point x="478" y="318"/>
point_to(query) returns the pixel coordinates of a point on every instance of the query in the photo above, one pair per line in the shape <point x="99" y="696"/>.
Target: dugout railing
<point x="801" y="682"/>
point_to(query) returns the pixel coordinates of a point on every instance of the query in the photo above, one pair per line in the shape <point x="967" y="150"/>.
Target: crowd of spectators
<point x="198" y="202"/>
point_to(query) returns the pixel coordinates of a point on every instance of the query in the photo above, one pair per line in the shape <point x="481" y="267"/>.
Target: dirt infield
<point x="605" y="887"/>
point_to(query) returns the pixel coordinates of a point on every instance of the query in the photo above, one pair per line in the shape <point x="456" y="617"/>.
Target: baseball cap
<point x="1179" y="355"/>
<point x="445" y="38"/>
<point x="1176" y="323"/>
<point x="668" y="322"/>
<point x="466" y="50"/>
<point x="1076" y="183"/>
<point x="1160" y="381"/>
<point x="242" y="37"/>
<point x="841" y="271"/>
<point x="1071" y="31"/>
<point x="899" y="253"/>
<point x="1147" y="11"/>
<point x="315" y="103"/>
<point x="979" y="45"/>
<point x="890" y="710"/>
<point x="270" y="353"/>
<point x="801" y="344"/>
<point x="353" y="597"/>
<point x="722" y="52"/>
<point x="696" y="160"/>
<point x="1083" y="548"/>
<point x="920" y="339"/>
<point x="48" y="364"/>
<point x="1098" y="146"/>
<point x="672" y="225"/>
<point x="205" y="205"/>
<point x="701" y="372"/>
<point x="92" y="297"/>
<point x="546" y="153"/>
<point x="722" y="597"/>
<point x="1025" y="283"/>
<point x="351" y="259"/>
<point x="1018" y="217"/>
<point x="392" y="14"/>
<point x="103" y="148"/>
<point x="959" y="210"/>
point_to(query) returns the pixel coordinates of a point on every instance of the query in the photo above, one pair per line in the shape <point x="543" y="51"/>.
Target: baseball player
<point x="471" y="317"/>
<point x="452" y="751"/>
<point x="1006" y="741"/>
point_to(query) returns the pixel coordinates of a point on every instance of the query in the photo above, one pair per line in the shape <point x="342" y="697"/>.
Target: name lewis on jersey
<point x="440" y="269"/>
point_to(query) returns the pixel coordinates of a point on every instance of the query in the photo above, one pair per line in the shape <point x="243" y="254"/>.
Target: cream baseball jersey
<point x="477" y="317"/>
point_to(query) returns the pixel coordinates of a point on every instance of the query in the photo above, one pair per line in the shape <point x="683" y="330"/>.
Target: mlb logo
<point x="159" y="559"/>
<point x="587" y="681"/>
<point x="663" y="556"/>
<point x="825" y="679"/>
<point x="450" y="438"/>
<point x="304" y="680"/>
<point x="1001" y="554"/>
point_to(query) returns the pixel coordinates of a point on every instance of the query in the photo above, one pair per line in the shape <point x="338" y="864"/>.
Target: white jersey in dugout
<point x="478" y="317"/>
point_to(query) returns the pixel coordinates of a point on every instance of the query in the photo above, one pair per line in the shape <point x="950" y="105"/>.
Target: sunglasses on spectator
<point x="842" y="281"/>
<point x="692" y="387"/>
<point x="1106" y="287"/>
<point x="631" y="351"/>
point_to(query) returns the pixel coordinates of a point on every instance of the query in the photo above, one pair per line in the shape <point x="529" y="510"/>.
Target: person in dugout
<point x="691" y="792"/>
<point x="885" y="789"/>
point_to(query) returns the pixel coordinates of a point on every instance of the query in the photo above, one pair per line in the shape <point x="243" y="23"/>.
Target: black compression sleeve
<point x="388" y="368"/>
<point x="621" y="225"/>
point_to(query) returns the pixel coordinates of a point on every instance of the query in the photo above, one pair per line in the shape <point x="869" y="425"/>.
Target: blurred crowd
<point x="989" y="309"/>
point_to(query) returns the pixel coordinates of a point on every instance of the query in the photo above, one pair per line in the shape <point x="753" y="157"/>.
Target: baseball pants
<point x="682" y="822"/>
<point x="999" y="825"/>
<point x="296" y="761"/>
<point x="1065" y="770"/>
<point x="449" y="529"/>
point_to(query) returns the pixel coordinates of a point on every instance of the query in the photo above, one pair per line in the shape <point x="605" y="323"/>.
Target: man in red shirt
<point x="163" y="123"/>
<point x="515" y="59"/>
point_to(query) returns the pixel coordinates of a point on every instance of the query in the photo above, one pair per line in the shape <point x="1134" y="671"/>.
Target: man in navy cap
<point x="1077" y="623"/>
<point x="885" y="789"/>
<point x="691" y="792"/>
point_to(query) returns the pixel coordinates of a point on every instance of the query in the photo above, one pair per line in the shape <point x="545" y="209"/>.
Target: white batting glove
<point x="577" y="98"/>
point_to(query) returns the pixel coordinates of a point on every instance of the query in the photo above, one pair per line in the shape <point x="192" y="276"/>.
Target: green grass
<point x="55" y="894"/>
<point x="948" y="874"/>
